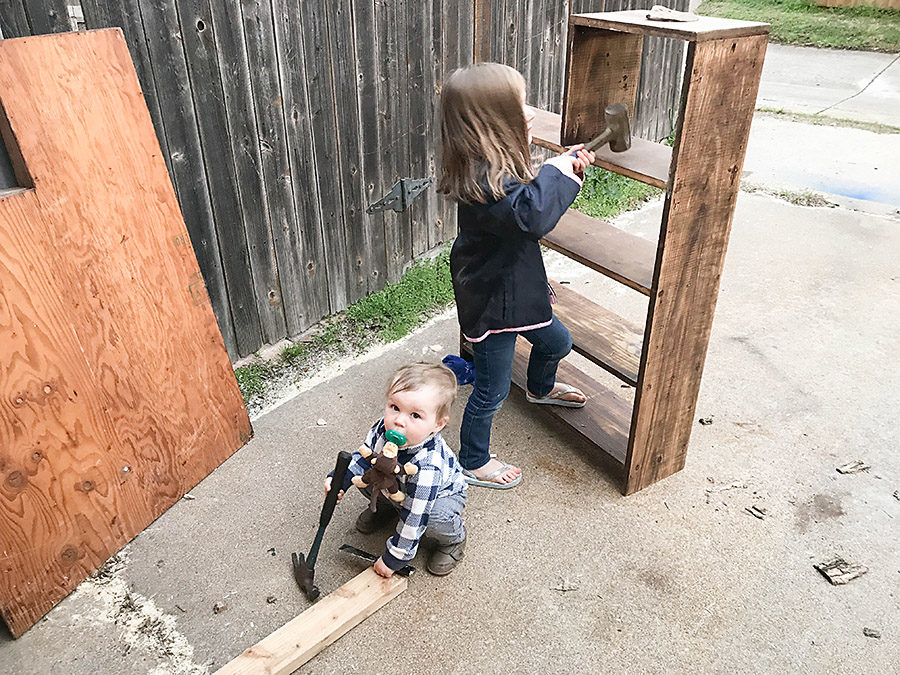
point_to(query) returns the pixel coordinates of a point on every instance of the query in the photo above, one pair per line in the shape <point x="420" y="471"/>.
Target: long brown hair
<point x="483" y="131"/>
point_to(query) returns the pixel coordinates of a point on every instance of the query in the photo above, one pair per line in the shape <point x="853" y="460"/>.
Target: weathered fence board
<point x="349" y="156"/>
<point x="368" y="72"/>
<point x="13" y="20"/>
<point x="280" y="121"/>
<point x="224" y="31"/>
<point x="47" y="16"/>
<point x="307" y="232"/>
<point x="169" y="65"/>
<point x="274" y="162"/>
<point x="196" y="34"/>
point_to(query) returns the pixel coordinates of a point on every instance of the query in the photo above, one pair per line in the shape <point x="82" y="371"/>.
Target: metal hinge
<point x="400" y="196"/>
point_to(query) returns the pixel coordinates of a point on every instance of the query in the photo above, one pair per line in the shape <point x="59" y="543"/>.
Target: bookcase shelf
<point x="647" y="440"/>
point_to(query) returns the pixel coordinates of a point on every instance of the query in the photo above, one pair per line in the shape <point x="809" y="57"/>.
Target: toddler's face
<point x="414" y="414"/>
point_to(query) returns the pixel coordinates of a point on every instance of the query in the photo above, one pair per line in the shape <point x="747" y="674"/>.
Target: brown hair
<point x="483" y="131"/>
<point x="414" y="376"/>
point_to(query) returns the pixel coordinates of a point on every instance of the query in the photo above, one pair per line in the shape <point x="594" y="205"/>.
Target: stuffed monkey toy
<point x="384" y="472"/>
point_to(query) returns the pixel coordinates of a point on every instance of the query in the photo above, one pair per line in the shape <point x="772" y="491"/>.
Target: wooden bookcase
<point x="663" y="359"/>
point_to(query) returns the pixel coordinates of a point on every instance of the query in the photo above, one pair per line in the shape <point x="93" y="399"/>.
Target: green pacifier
<point x="395" y="437"/>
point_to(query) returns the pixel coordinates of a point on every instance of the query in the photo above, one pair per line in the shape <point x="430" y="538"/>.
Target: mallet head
<point x="617" y="132"/>
<point x="617" y="121"/>
<point x="304" y="576"/>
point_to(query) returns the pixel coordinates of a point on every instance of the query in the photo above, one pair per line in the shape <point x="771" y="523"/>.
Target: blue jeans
<point x="493" y="369"/>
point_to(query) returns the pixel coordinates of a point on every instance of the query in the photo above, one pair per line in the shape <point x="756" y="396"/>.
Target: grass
<point x="384" y="316"/>
<point x="826" y="121"/>
<point x="796" y="197"/>
<point x="606" y="194"/>
<point x="802" y="22"/>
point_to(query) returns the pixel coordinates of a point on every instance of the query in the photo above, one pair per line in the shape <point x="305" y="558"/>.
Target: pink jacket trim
<point x="509" y="330"/>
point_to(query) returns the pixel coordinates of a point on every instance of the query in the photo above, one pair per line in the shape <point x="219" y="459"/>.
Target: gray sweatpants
<point x="445" y="523"/>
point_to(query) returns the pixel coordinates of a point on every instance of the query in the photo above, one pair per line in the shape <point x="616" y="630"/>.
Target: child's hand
<point x="328" y="488"/>
<point x="573" y="161"/>
<point x="382" y="570"/>
<point x="581" y="158"/>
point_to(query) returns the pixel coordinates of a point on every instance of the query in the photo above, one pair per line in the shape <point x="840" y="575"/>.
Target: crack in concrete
<point x="868" y="84"/>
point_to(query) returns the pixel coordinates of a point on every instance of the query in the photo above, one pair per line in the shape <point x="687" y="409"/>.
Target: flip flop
<point x="488" y="483"/>
<point x="555" y="398"/>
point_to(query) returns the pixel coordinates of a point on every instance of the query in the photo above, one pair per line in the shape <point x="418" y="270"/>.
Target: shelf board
<point x="621" y="256"/>
<point x="704" y="28"/>
<point x="606" y="418"/>
<point x="599" y="334"/>
<point x="646" y="161"/>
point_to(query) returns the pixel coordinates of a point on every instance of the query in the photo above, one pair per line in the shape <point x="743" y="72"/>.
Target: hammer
<point x="304" y="568"/>
<point x="617" y="132"/>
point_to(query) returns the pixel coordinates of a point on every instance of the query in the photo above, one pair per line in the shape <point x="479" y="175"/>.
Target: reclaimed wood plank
<point x="602" y="68"/>
<point x="599" y="334"/>
<point x="722" y="78"/>
<point x="307" y="230"/>
<point x="645" y="161"/>
<point x="161" y="28"/>
<point x="307" y="634"/>
<point x="116" y="393"/>
<point x="705" y="28"/>
<point x="482" y="13"/>
<point x="603" y="420"/>
<point x="196" y="34"/>
<point x="224" y="33"/>
<point x="607" y="249"/>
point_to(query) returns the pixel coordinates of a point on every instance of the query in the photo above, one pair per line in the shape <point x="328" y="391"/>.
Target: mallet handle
<point x="337" y="482"/>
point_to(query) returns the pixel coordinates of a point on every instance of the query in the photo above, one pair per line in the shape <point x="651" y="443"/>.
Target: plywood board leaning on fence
<point x="116" y="393"/>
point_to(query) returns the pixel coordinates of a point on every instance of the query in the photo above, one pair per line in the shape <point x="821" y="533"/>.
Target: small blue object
<point x="464" y="370"/>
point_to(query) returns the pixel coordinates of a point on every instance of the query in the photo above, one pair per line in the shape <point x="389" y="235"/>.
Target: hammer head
<point x="617" y="132"/>
<point x="303" y="573"/>
<point x="617" y="122"/>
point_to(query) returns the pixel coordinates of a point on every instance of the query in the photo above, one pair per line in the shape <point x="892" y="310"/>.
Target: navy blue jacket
<point x="496" y="264"/>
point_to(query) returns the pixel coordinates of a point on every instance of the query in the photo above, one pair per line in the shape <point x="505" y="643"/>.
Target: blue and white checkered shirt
<point x="439" y="475"/>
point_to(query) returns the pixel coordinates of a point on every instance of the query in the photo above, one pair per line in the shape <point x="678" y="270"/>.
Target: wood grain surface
<point x="116" y="393"/>
<point x="720" y="92"/>
<point x="705" y="28"/>
<point x="602" y="68"/>
<point x="304" y="636"/>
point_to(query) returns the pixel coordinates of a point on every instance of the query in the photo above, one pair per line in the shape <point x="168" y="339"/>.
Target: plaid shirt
<point x="439" y="475"/>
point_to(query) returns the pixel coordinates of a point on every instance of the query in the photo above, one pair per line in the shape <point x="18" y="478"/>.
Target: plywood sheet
<point x="116" y="393"/>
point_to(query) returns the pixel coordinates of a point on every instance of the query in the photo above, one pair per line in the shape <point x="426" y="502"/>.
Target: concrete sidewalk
<point x="857" y="168"/>
<point x="863" y="86"/>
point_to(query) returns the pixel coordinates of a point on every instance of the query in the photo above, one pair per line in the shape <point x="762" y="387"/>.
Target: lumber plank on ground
<point x="300" y="639"/>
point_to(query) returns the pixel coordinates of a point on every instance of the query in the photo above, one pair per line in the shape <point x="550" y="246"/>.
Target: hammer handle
<point x="337" y="482"/>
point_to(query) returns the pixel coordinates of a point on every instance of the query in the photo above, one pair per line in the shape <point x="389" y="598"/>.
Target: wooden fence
<point x="281" y="120"/>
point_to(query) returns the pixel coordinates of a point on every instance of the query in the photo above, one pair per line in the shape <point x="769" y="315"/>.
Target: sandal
<point x="555" y="398"/>
<point x="488" y="481"/>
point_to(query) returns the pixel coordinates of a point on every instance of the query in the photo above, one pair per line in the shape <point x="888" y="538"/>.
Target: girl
<point x="498" y="274"/>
